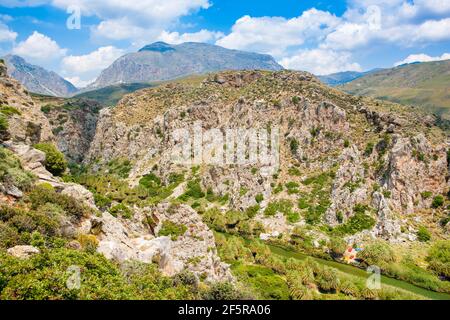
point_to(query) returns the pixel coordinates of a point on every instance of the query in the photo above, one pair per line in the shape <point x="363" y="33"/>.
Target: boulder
<point x="23" y="252"/>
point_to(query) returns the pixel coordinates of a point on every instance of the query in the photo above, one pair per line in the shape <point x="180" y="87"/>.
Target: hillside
<point x="160" y="61"/>
<point x="38" y="80"/>
<point x="424" y="85"/>
<point x="144" y="217"/>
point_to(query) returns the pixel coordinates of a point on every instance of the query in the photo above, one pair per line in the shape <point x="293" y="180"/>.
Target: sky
<point x="80" y="38"/>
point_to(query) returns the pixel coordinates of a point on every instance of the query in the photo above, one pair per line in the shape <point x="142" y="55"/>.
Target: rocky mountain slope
<point x="36" y="203"/>
<point x="139" y="224"/>
<point x="338" y="153"/>
<point x="160" y="61"/>
<point x="424" y="85"/>
<point x="38" y="80"/>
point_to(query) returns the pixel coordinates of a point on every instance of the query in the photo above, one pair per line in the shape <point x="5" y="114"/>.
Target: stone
<point x="23" y="252"/>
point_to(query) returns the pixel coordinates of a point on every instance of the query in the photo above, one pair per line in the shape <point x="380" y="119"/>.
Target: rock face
<point x="369" y="154"/>
<point x="37" y="79"/>
<point x="195" y="249"/>
<point x="23" y="252"/>
<point x="29" y="125"/>
<point x="73" y="124"/>
<point x="161" y="61"/>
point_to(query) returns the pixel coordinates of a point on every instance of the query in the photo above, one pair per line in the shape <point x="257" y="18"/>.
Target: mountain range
<point x="424" y="85"/>
<point x="161" y="61"/>
<point x="340" y="78"/>
<point x="37" y="79"/>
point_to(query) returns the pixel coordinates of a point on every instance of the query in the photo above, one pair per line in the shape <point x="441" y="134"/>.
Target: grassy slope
<point x="426" y="85"/>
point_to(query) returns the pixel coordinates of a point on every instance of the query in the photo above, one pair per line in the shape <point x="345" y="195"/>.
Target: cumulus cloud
<point x="39" y="47"/>
<point x="133" y="20"/>
<point x="422" y="58"/>
<point x="200" y="36"/>
<point x="320" y="62"/>
<point x="94" y="61"/>
<point x="78" y="82"/>
<point x="6" y="34"/>
<point x="274" y="35"/>
<point x="83" y="69"/>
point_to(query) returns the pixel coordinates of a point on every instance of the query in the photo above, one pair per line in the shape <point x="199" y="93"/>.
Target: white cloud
<point x="94" y="61"/>
<point x="320" y="62"/>
<point x="141" y="20"/>
<point x="200" y="36"/>
<point x="6" y="34"/>
<point x="422" y="58"/>
<point x="78" y="82"/>
<point x="39" y="47"/>
<point x="275" y="34"/>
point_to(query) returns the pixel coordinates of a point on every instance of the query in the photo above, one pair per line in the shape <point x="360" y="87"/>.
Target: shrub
<point x="439" y="258"/>
<point x="4" y="125"/>
<point x="121" y="210"/>
<point x="259" y="198"/>
<point x="438" y="201"/>
<point x="294" y="144"/>
<point x="193" y="190"/>
<point x="357" y="223"/>
<point x="42" y="195"/>
<point x="54" y="160"/>
<point x="171" y="229"/>
<point x="88" y="242"/>
<point x="221" y="291"/>
<point x="426" y="194"/>
<point x="346" y="144"/>
<point x="423" y="235"/>
<point x="9" y="111"/>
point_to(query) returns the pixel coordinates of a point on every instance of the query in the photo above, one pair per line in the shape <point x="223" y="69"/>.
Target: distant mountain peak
<point x="161" y="61"/>
<point x="159" y="46"/>
<point x="37" y="79"/>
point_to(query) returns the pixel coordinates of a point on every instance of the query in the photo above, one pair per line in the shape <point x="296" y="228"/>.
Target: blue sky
<point x="318" y="36"/>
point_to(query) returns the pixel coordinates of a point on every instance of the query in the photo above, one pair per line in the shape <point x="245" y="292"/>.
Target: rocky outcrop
<point x="29" y="124"/>
<point x="23" y="252"/>
<point x="368" y="147"/>
<point x="73" y="123"/>
<point x="349" y="188"/>
<point x="195" y="249"/>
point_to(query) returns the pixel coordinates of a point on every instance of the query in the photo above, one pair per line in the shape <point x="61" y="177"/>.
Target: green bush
<point x="172" y="229"/>
<point x="9" y="111"/>
<point x="4" y="125"/>
<point x="42" y="195"/>
<point x="438" y="202"/>
<point x="193" y="190"/>
<point x="294" y="145"/>
<point x="357" y="223"/>
<point x="221" y="291"/>
<point x="439" y="258"/>
<point x="121" y="210"/>
<point x="259" y="198"/>
<point x="423" y="235"/>
<point x="54" y="160"/>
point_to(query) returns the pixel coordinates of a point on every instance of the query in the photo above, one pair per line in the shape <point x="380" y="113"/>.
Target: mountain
<point x="340" y="78"/>
<point x="160" y="61"/>
<point x="38" y="80"/>
<point x="310" y="171"/>
<point x="424" y="85"/>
